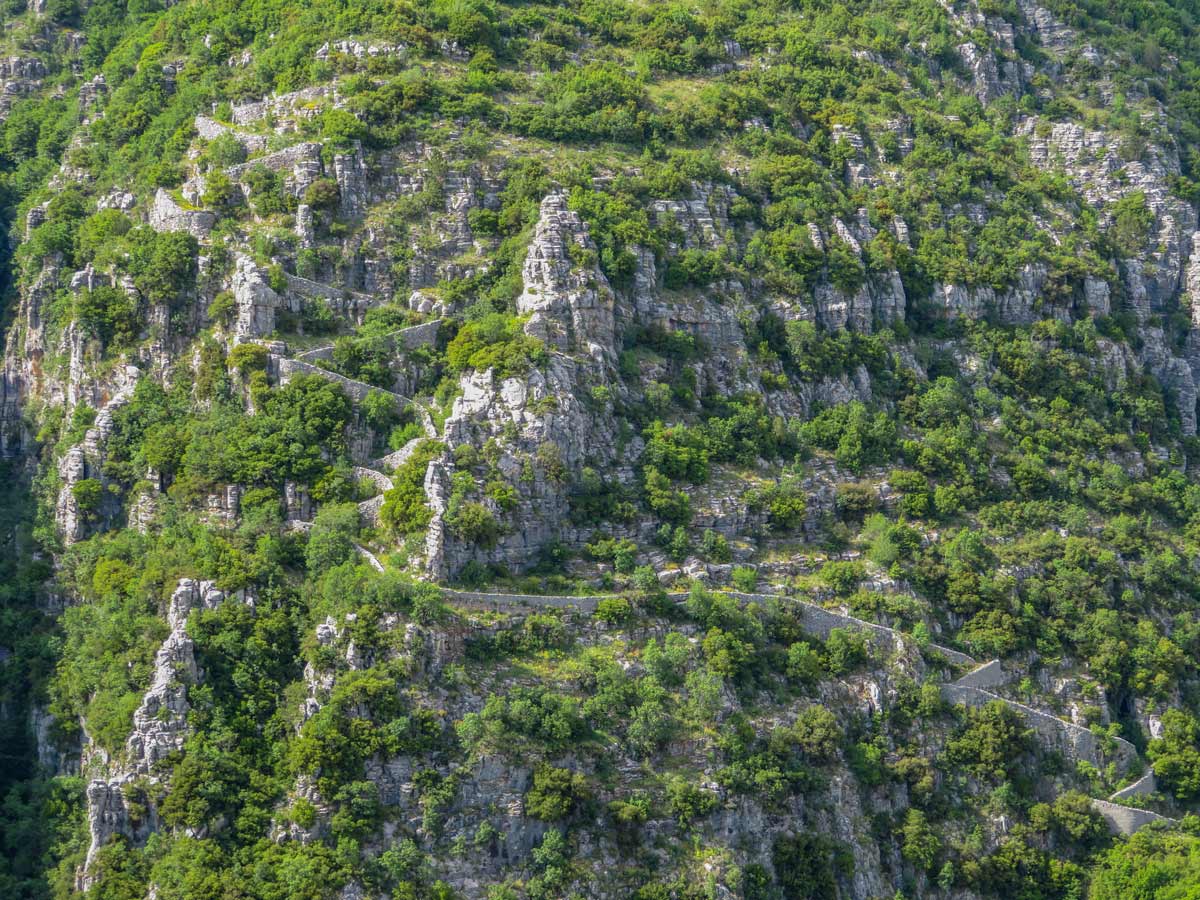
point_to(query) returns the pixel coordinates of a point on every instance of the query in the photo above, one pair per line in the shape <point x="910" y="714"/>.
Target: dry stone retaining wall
<point x="989" y="675"/>
<point x="289" y="368"/>
<point x="1144" y="785"/>
<point x="1074" y="741"/>
<point x="816" y="620"/>
<point x="820" y="621"/>
<point x="524" y="601"/>
<point x="1125" y="820"/>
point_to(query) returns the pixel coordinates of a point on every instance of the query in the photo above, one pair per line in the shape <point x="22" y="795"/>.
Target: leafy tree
<point x="991" y="742"/>
<point x="88" y="493"/>
<point x="1132" y="220"/>
<point x="687" y="801"/>
<point x="806" y="866"/>
<point x="342" y="129"/>
<point x="331" y="539"/>
<point x="1176" y="754"/>
<point x="555" y="793"/>
<point x="920" y="842"/>
<point x="163" y="265"/>
<point x="404" y="508"/>
<point x="472" y="521"/>
<point x="247" y="358"/>
<point x="672" y="506"/>
<point x="1154" y="865"/>
<point x="109" y="314"/>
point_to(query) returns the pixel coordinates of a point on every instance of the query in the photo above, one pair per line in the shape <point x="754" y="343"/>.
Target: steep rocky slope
<point x="604" y="450"/>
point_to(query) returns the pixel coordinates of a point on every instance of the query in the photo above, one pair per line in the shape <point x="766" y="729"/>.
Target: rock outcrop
<point x="546" y="420"/>
<point x="168" y="214"/>
<point x="160" y="722"/>
<point x="159" y="730"/>
<point x="256" y="301"/>
<point x="569" y="302"/>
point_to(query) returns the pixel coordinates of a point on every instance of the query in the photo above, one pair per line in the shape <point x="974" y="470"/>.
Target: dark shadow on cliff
<point x="26" y="661"/>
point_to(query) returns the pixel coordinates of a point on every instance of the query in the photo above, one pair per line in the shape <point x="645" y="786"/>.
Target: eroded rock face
<point x="19" y="75"/>
<point x="160" y="723"/>
<point x="359" y="50"/>
<point x="556" y="431"/>
<point x="1054" y="36"/>
<point x="108" y="816"/>
<point x="703" y="218"/>
<point x="299" y="165"/>
<point x="881" y="299"/>
<point x="301" y="104"/>
<point x="256" y="301"/>
<point x="21" y="67"/>
<point x="208" y="129"/>
<point x="1163" y="272"/>
<point x="13" y="432"/>
<point x="159" y="729"/>
<point x="546" y="421"/>
<point x="1020" y="304"/>
<point x="350" y="171"/>
<point x="53" y="758"/>
<point x="86" y="460"/>
<point x="168" y="215"/>
<point x="569" y="303"/>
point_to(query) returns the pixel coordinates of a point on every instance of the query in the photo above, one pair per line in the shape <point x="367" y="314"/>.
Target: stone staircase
<point x="1074" y="741"/>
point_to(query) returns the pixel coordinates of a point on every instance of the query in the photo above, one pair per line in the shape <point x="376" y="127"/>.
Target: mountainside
<point x="605" y="449"/>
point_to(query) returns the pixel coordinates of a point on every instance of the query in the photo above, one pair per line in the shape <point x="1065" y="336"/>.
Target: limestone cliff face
<point x="86" y="460"/>
<point x="544" y="427"/>
<point x="569" y="305"/>
<point x="256" y="301"/>
<point x="1157" y="277"/>
<point x="159" y="730"/>
<point x="549" y="423"/>
<point x="160" y="723"/>
<point x="493" y="786"/>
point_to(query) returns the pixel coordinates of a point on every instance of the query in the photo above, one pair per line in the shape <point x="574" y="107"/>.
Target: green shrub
<point x="614" y="610"/>
<point x="842" y="577"/>
<point x="494" y="342"/>
<point x="1132" y="220"/>
<point x="555" y="794"/>
<point x="223" y="308"/>
<point x="806" y="865"/>
<point x="745" y="579"/>
<point x="342" y="129"/>
<point x="845" y="649"/>
<point x="991" y="742"/>
<point x="379" y="410"/>
<point x="804" y="664"/>
<point x="714" y="547"/>
<point x="163" y="265"/>
<point x="471" y="521"/>
<point x="784" y="503"/>
<point x="538" y="714"/>
<point x="404" y="509"/>
<point x="109" y="314"/>
<point x="100" y="234"/>
<point x="687" y="801"/>
<point x="921" y="844"/>
<point x="322" y="194"/>
<point x="88" y="493"/>
<point x="670" y="505"/>
<point x="331" y="539"/>
<point x="1176" y="754"/>
<point x="248" y="358"/>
